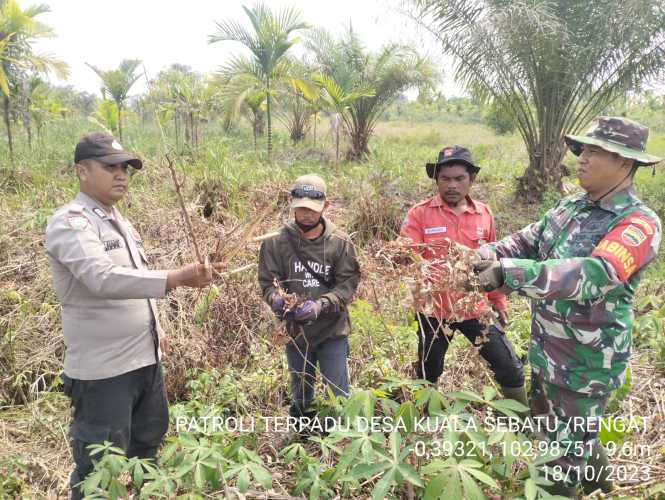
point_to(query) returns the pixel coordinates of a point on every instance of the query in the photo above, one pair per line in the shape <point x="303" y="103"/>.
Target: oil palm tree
<point x="339" y="102"/>
<point x="384" y="76"/>
<point x="268" y="42"/>
<point x="243" y="93"/>
<point x="18" y="31"/>
<point x="116" y="83"/>
<point x="552" y="64"/>
<point x="298" y="100"/>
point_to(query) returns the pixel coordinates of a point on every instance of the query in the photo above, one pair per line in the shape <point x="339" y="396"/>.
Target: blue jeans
<point x="331" y="358"/>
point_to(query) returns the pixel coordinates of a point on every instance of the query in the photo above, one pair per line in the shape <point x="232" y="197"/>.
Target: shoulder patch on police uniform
<point x="75" y="208"/>
<point x="100" y="213"/>
<point x="78" y="221"/>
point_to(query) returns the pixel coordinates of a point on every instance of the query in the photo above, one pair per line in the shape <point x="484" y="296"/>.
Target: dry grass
<point x="35" y="423"/>
<point x="238" y="330"/>
<point x="26" y="303"/>
<point x="36" y="433"/>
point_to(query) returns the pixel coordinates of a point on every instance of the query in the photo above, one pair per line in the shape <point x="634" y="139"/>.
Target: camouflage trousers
<point x="569" y="421"/>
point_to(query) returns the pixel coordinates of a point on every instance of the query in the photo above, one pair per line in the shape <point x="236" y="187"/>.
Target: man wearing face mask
<point x="451" y="214"/>
<point x="313" y="259"/>
<point x="580" y="264"/>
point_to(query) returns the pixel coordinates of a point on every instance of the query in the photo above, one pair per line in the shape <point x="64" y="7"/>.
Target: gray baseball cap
<point x="309" y="191"/>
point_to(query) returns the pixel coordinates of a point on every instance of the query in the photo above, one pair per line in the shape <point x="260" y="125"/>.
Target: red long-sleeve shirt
<point x="432" y="220"/>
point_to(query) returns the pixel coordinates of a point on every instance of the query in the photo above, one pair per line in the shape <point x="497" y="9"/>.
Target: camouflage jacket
<point x="581" y="264"/>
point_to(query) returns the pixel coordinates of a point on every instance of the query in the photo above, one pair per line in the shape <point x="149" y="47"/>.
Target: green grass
<point x="227" y="168"/>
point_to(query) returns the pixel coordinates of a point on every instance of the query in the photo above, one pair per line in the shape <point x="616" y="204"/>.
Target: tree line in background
<point x="550" y="65"/>
<point x="542" y="68"/>
<point x="21" y="67"/>
<point x="338" y="77"/>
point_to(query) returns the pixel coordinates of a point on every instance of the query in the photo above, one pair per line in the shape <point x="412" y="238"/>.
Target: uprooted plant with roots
<point x="436" y="272"/>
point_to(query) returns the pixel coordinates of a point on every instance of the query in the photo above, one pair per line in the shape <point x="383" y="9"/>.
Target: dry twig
<point x="437" y="275"/>
<point x="185" y="215"/>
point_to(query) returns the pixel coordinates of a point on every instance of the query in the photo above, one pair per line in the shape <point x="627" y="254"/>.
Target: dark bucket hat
<point x="452" y="154"/>
<point x="104" y="148"/>
<point x="615" y="134"/>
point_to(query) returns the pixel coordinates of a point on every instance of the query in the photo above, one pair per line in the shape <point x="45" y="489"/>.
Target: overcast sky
<point x="164" y="32"/>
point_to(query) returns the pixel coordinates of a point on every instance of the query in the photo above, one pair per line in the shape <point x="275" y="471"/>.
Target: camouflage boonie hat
<point x="617" y="135"/>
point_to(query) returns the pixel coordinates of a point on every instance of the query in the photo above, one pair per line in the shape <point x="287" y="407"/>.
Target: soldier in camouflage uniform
<point x="581" y="264"/>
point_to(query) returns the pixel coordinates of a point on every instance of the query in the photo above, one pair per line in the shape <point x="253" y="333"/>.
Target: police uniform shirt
<point x="100" y="275"/>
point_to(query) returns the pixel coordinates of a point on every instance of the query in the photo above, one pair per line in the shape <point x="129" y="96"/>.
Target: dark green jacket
<point x="331" y="255"/>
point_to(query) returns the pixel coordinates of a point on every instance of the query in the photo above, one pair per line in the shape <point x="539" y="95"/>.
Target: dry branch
<point x="245" y="237"/>
<point x="435" y="272"/>
<point x="183" y="208"/>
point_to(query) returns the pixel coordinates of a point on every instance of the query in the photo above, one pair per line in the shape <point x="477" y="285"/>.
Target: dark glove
<point x="490" y="274"/>
<point x="277" y="305"/>
<point x="307" y="312"/>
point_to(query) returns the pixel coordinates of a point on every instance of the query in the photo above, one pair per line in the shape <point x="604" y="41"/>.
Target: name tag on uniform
<point x="436" y="230"/>
<point x="112" y="245"/>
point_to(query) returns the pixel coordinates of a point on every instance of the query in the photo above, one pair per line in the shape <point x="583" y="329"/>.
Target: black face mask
<point x="307" y="227"/>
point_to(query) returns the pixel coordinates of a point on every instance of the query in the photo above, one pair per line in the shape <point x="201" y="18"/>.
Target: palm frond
<point x="309" y="92"/>
<point x="45" y="63"/>
<point x="552" y="64"/>
<point x="268" y="43"/>
<point x="118" y="82"/>
<point x="242" y="65"/>
<point x="289" y="20"/>
<point x="230" y="30"/>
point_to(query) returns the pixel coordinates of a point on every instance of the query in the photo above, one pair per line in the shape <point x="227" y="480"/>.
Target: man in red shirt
<point x="452" y="214"/>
